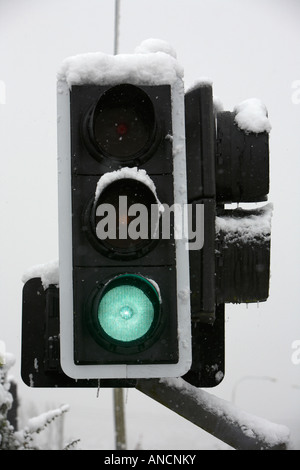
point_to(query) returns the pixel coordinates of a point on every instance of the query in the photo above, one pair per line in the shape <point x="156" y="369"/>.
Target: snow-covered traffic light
<point x="242" y="176"/>
<point x="227" y="162"/>
<point x="124" y="274"/>
<point x="149" y="251"/>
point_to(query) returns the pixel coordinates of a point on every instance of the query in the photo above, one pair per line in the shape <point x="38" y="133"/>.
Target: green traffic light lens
<point x="125" y="313"/>
<point x="127" y="310"/>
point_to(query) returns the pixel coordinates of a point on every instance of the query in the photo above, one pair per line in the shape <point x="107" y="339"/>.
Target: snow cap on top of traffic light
<point x="153" y="63"/>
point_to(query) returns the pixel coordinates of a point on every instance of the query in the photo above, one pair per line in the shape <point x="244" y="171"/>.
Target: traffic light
<point x="243" y="235"/>
<point x="124" y="283"/>
<point x="137" y="159"/>
<point x="227" y="162"/>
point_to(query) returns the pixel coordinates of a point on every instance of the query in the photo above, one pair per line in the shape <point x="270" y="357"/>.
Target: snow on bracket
<point x="246" y="226"/>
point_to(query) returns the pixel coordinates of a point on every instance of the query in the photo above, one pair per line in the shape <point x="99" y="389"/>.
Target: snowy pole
<point x="117" y="23"/>
<point x="118" y="395"/>
<point x="120" y="433"/>
<point x="222" y="419"/>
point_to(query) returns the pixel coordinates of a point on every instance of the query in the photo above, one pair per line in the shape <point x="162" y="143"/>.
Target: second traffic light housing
<point x="225" y="164"/>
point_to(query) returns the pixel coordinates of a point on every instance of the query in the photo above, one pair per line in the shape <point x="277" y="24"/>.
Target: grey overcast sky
<point x="249" y="48"/>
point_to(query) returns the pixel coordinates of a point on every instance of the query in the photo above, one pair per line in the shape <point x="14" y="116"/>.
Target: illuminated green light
<point x="126" y="311"/>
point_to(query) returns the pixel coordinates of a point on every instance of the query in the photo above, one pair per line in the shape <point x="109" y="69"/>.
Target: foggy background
<point x="248" y="48"/>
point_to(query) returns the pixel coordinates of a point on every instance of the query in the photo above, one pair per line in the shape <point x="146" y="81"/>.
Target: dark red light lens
<point x="122" y="129"/>
<point x="123" y="123"/>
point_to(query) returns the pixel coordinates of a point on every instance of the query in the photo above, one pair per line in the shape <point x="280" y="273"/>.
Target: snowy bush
<point x="10" y="438"/>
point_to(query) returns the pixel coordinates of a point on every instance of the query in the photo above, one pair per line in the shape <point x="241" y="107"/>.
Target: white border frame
<point x="121" y="371"/>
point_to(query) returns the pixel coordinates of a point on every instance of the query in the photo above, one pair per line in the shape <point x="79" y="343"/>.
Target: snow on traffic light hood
<point x="154" y="63"/>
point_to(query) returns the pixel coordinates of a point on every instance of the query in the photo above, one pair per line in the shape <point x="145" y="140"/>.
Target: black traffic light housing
<point x="98" y="149"/>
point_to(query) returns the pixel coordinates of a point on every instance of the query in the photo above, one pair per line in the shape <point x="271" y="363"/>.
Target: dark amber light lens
<point x="119" y="228"/>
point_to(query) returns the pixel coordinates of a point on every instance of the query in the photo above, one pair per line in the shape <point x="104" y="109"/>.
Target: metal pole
<point x="222" y="419"/>
<point x="117" y="25"/>
<point x="120" y="433"/>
